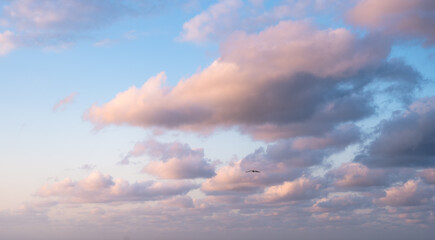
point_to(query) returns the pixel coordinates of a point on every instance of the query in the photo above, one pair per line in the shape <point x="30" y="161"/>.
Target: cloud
<point x="406" y="139"/>
<point x="174" y="160"/>
<point x="54" y="22"/>
<point x="217" y="20"/>
<point x="299" y="189"/>
<point x="342" y="202"/>
<point x="87" y="167"/>
<point x="309" y="151"/>
<point x="233" y="179"/>
<point x="6" y="42"/>
<point x="228" y="16"/>
<point x="358" y="175"/>
<point x="399" y="18"/>
<point x="284" y="160"/>
<point x="104" y="42"/>
<point x="98" y="187"/>
<point x="179" y="202"/>
<point x="411" y="193"/>
<point x="428" y="175"/>
<point x="62" y="103"/>
<point x="289" y="80"/>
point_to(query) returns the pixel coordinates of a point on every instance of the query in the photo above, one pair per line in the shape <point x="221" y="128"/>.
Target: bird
<point x="252" y="171"/>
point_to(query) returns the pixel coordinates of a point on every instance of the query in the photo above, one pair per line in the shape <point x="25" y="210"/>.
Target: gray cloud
<point x="406" y="139"/>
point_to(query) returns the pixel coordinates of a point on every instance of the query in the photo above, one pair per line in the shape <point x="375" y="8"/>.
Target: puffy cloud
<point x="6" y="42"/>
<point x="406" y="139"/>
<point x="401" y="18"/>
<point x="299" y="189"/>
<point x="98" y="187"/>
<point x="411" y="193"/>
<point x="232" y="178"/>
<point x="216" y="20"/>
<point x="175" y="160"/>
<point x="289" y="80"/>
<point x="281" y="161"/>
<point x="176" y="168"/>
<point x="67" y="100"/>
<point x="357" y="175"/>
<point x="428" y="175"/>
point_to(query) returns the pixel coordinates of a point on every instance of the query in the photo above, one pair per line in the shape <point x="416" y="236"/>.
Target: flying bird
<point x="252" y="171"/>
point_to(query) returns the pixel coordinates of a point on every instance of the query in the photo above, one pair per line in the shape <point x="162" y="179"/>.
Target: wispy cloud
<point x="54" y="22"/>
<point x="104" y="42"/>
<point x="62" y="103"/>
<point x="6" y="42"/>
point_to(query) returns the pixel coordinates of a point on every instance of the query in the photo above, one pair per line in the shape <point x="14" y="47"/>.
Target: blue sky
<point x="145" y="116"/>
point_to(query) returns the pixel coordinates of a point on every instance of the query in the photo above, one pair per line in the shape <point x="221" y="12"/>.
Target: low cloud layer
<point x="98" y="187"/>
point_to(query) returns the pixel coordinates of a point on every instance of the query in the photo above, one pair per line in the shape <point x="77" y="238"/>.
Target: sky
<point x="139" y="119"/>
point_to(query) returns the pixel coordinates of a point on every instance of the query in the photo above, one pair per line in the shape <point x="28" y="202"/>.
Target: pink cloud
<point x="62" y="103"/>
<point x="358" y="175"/>
<point x="411" y="193"/>
<point x="428" y="175"/>
<point x="281" y="161"/>
<point x="299" y="189"/>
<point x="179" y="202"/>
<point x="176" y="168"/>
<point x="217" y="20"/>
<point x="98" y="187"/>
<point x="6" y="42"/>
<point x="174" y="160"/>
<point x="270" y="84"/>
<point x="400" y="18"/>
<point x="233" y="178"/>
<point x="341" y="202"/>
